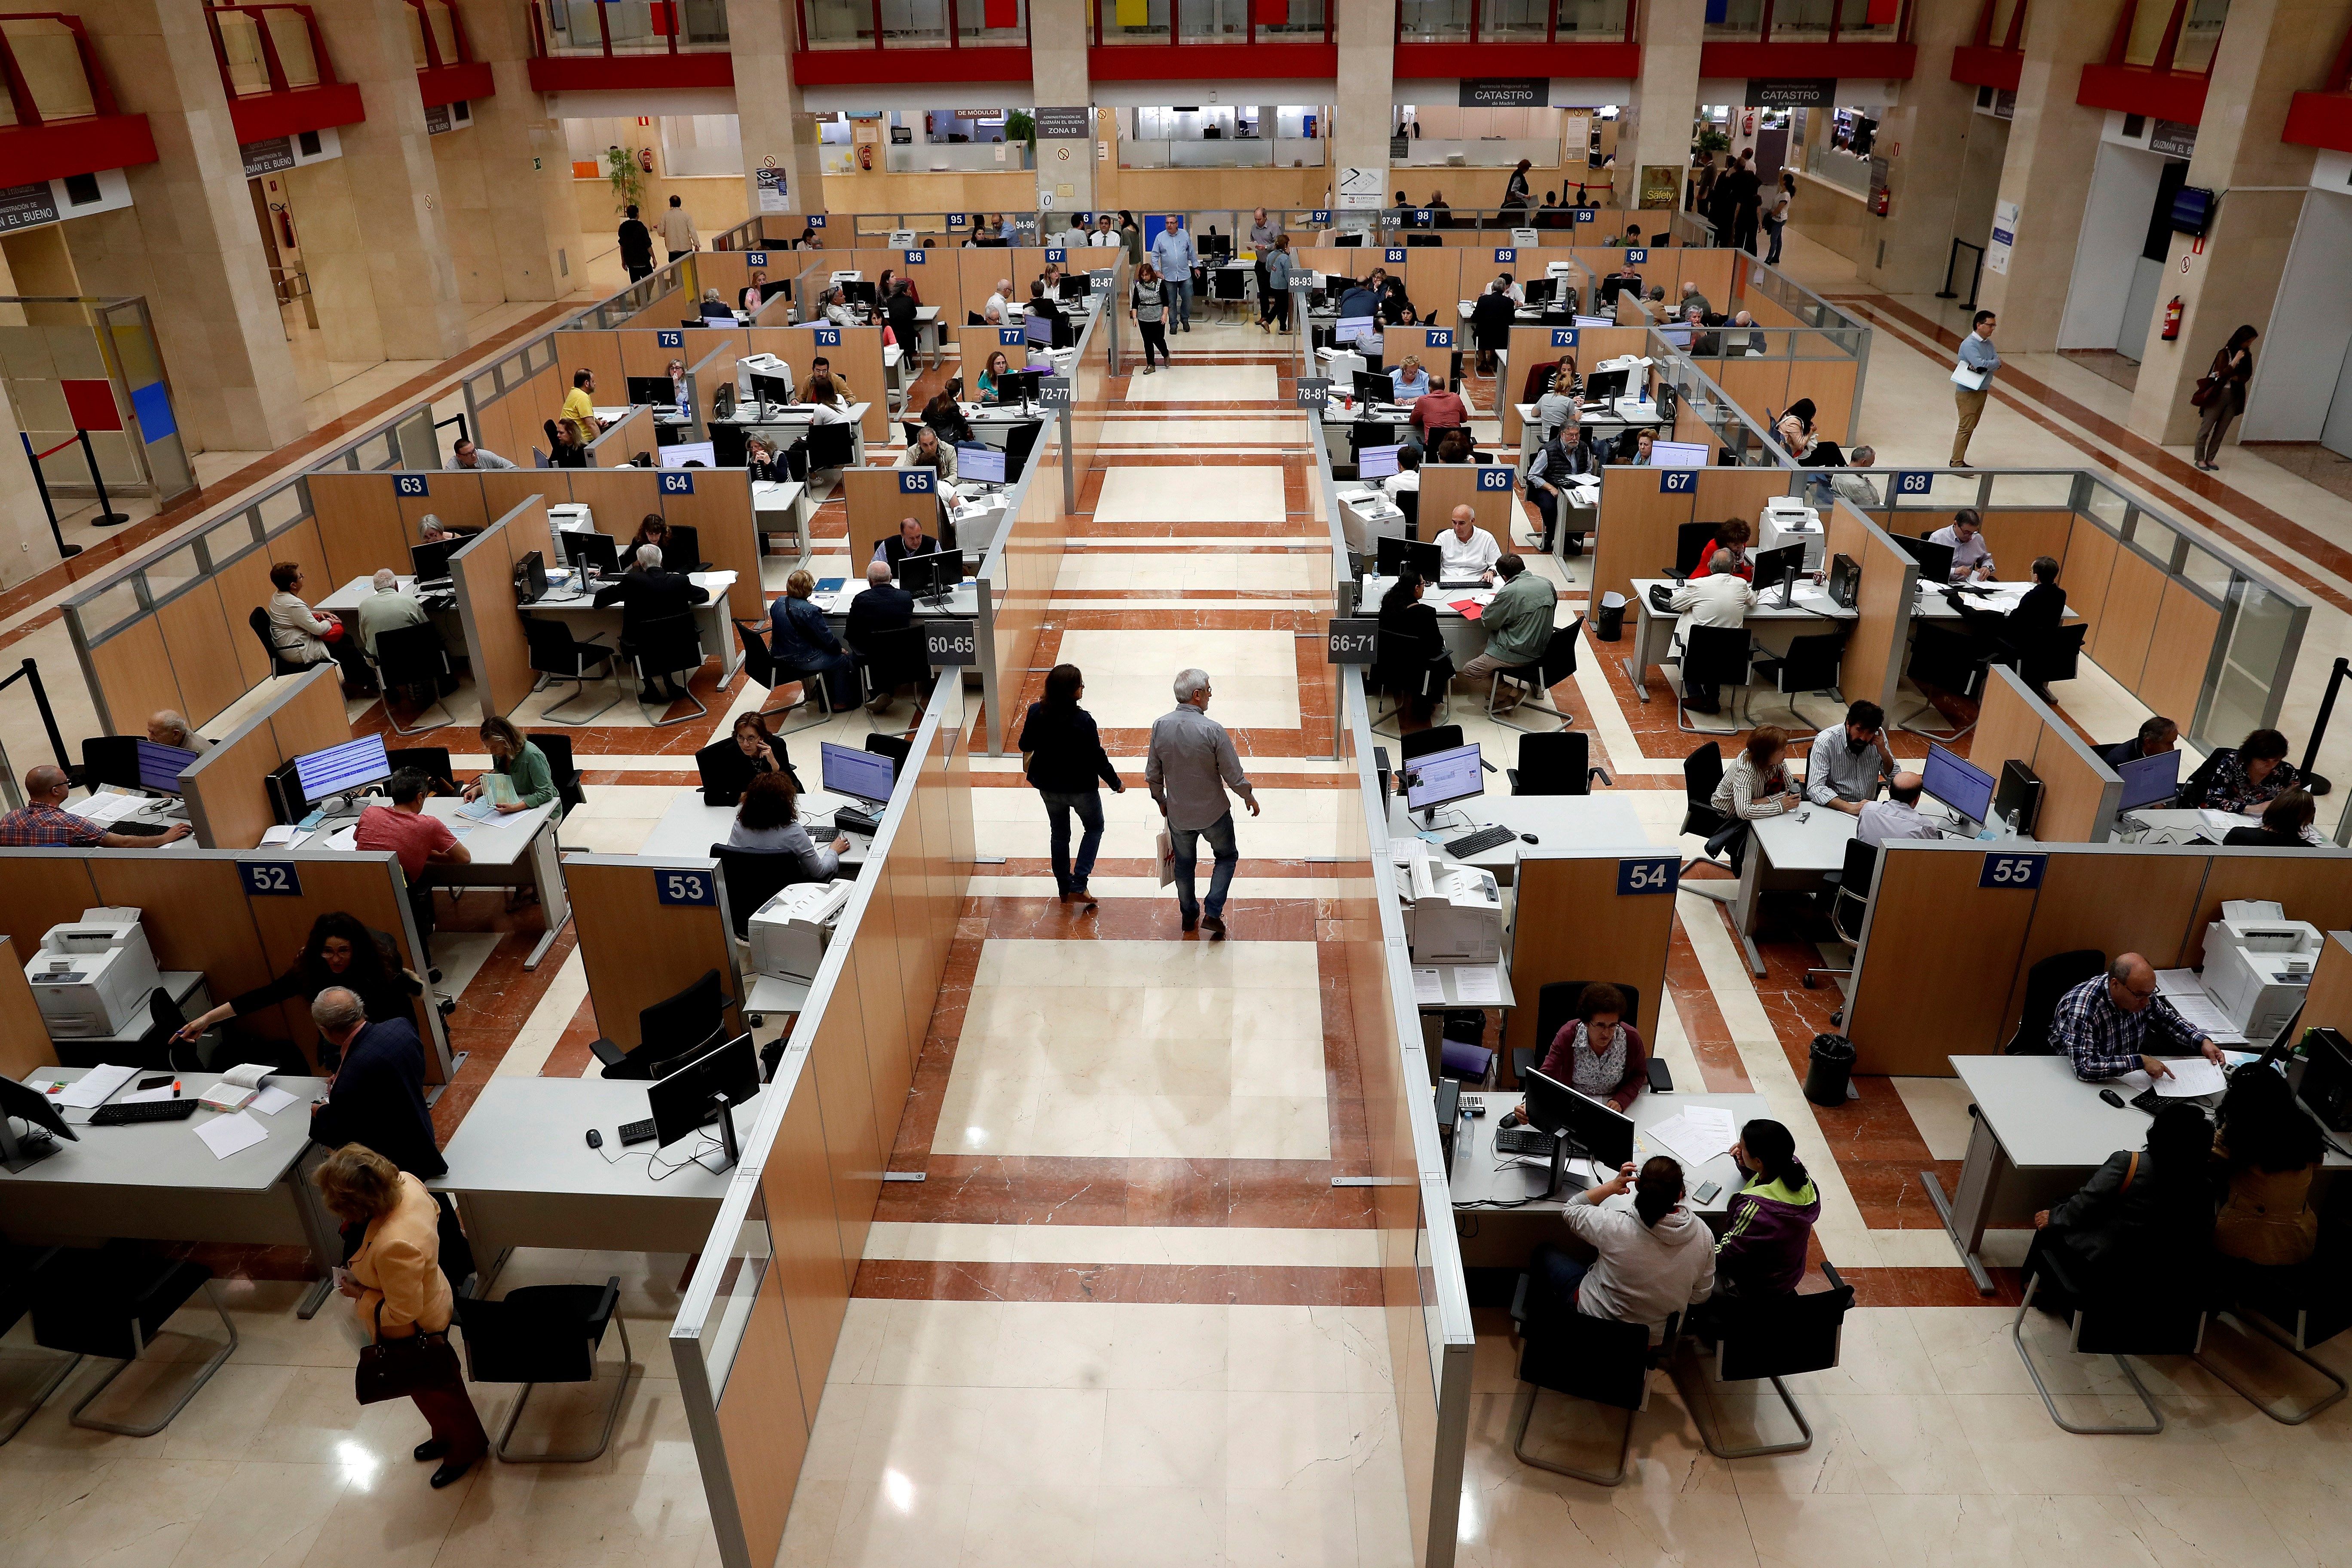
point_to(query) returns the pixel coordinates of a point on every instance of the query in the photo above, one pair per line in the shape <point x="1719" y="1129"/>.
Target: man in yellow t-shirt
<point x="578" y="404"/>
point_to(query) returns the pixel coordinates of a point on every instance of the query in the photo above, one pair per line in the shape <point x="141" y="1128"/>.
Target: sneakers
<point x="1216" y="926"/>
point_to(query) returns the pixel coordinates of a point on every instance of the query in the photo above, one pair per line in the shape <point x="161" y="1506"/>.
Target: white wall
<point x="2297" y="360"/>
<point x="2115" y="227"/>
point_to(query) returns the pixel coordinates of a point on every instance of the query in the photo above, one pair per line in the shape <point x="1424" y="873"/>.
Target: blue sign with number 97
<point x="2019" y="871"/>
<point x="1563" y="337"/>
<point x="1394" y="256"/>
<point x="1916" y="483"/>
<point x="1678" y="482"/>
<point x="676" y="484"/>
<point x="408" y="485"/>
<point x="914" y="481"/>
<point x="1657" y="874"/>
<point x="698" y="889"/>
<point x="1320" y="214"/>
<point x="269" y="879"/>
<point x="1493" y="477"/>
<point x="670" y="337"/>
<point x="828" y="337"/>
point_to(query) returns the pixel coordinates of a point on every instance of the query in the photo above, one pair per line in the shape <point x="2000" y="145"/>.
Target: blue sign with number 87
<point x="2022" y="871"/>
<point x="698" y="889"/>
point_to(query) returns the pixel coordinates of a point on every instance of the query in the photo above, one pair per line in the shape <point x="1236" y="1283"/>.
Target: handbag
<point x="395" y="1369"/>
<point x="2207" y="386"/>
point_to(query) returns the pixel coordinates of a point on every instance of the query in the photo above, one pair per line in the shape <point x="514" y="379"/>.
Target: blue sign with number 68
<point x="670" y="337"/>
<point x="676" y="484"/>
<point x="408" y="485"/>
<point x="2022" y="871"/>
<point x="1678" y="482"/>
<point x="1493" y="477"/>
<point x="698" y="888"/>
<point x="914" y="481"/>
<point x="1657" y="874"/>
<point x="1915" y="483"/>
<point x="1563" y="337"/>
<point x="269" y="879"/>
<point x="828" y="337"/>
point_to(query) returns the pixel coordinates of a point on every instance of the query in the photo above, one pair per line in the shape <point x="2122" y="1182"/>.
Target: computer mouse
<point x="596" y="1139"/>
<point x="1530" y="838"/>
<point x="2112" y="1098"/>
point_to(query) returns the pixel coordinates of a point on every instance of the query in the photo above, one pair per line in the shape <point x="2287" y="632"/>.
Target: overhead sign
<point x="2172" y="139"/>
<point x="1353" y="639"/>
<point x="951" y="642"/>
<point x="1791" y="92"/>
<point x="1506" y="92"/>
<point x="1066" y="123"/>
<point x="266" y="157"/>
<point x="1313" y="391"/>
<point x="1053" y="391"/>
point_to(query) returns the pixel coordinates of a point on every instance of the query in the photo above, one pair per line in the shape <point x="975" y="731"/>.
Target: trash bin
<point x="1611" y="625"/>
<point x="1833" y="1065"/>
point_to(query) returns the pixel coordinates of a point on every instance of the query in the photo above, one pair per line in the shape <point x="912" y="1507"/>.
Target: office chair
<point x="1811" y="663"/>
<point x="1775" y="1337"/>
<point x="545" y="1334"/>
<point x="1596" y="1359"/>
<point x="17" y="1264"/>
<point x="1712" y="655"/>
<point x="1436" y="737"/>
<point x="692" y="1019"/>
<point x="1702" y="775"/>
<point x="278" y="663"/>
<point x="684" y="550"/>
<point x="112" y="1302"/>
<point x="2046" y="984"/>
<point x="1948" y="660"/>
<point x="561" y="768"/>
<point x="1848" y="904"/>
<point x="413" y="656"/>
<point x="891" y="660"/>
<point x="753" y="876"/>
<point x="433" y="761"/>
<point x="2156" y="1317"/>
<point x="1020" y="440"/>
<point x="1408" y="503"/>
<point x="557" y="655"/>
<point x="1402" y="666"/>
<point x="1558" y="664"/>
<point x="895" y="747"/>
<point x="108" y="759"/>
<point x="1555" y="764"/>
<point x="1690" y="539"/>
<point x="2260" y="1303"/>
<point x="666" y="647"/>
<point x="730" y="446"/>
<point x="831" y="447"/>
<point x="2053" y="657"/>
<point x="760" y="664"/>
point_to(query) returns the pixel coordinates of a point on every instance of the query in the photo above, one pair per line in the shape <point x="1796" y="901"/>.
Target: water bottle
<point x="2009" y="822"/>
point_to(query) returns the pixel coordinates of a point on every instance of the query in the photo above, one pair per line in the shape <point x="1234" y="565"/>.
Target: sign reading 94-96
<point x="951" y="642"/>
<point x="1354" y="639"/>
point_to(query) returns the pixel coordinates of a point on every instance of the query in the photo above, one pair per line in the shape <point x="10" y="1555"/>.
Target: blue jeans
<point x="1088" y="804"/>
<point x="1553" y="1279"/>
<point x="1181" y="311"/>
<point x="840" y="672"/>
<point x="1220" y="834"/>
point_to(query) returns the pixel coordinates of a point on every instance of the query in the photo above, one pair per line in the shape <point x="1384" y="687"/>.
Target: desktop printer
<point x="790" y="930"/>
<point x="93" y="978"/>
<point x="1787" y="519"/>
<point x="2258" y="965"/>
<point x="1452" y="913"/>
<point x="571" y="517"/>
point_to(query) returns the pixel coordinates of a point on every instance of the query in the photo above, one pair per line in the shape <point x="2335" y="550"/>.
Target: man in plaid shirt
<point x="2102" y="1024"/>
<point x="43" y="821"/>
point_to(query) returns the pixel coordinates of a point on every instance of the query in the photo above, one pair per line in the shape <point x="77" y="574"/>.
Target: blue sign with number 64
<point x="676" y="484"/>
<point x="700" y="888"/>
<point x="408" y="485"/>
<point x="828" y="337"/>
<point x="1678" y="482"/>
<point x="1656" y="875"/>
<point x="1563" y="337"/>
<point x="269" y="879"/>
<point x="1493" y="477"/>
<point x="2012" y="871"/>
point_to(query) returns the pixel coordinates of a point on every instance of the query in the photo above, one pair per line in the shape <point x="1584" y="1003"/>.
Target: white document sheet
<point x="270" y="1101"/>
<point x="224" y="1136"/>
<point x="2191" y="1076"/>
<point x="94" y="1086"/>
<point x="1694" y="1135"/>
<point x="1478" y="985"/>
<point x="2186" y="995"/>
<point x="1428" y="986"/>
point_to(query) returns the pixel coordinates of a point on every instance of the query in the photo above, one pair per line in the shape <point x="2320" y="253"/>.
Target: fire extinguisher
<point x="645" y="159"/>
<point x="1747" y="123"/>
<point x="2172" y="320"/>
<point x="285" y="230"/>
<point x="1878" y="201"/>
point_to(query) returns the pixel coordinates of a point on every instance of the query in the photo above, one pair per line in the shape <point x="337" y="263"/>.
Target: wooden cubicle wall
<point x="490" y="610"/>
<point x="635" y="949"/>
<point x="1878" y="646"/>
<point x="1943" y="963"/>
<point x="974" y="345"/>
<point x="1765" y="385"/>
<point x="2327" y="1005"/>
<point x="625" y="439"/>
<point x="513" y="423"/>
<point x="875" y="503"/>
<point x="1637" y="521"/>
<point x="854" y="352"/>
<point x="1574" y="924"/>
<point x="227" y="802"/>
<point x="1434" y="347"/>
<point x="1539" y="345"/>
<point x="1445" y="485"/>
<point x="23" y="1038"/>
<point x="2079" y="791"/>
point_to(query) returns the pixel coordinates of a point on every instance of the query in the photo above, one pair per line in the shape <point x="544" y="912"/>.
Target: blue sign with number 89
<point x="1506" y="256"/>
<point x="698" y="889"/>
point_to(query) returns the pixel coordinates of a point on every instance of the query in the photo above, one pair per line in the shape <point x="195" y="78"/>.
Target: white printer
<point x="767" y="364"/>
<point x="1787" y="519"/>
<point x="790" y="930"/>
<point x="92" y="977"/>
<point x="1452" y="913"/>
<point x="2258" y="965"/>
<point x="571" y="517"/>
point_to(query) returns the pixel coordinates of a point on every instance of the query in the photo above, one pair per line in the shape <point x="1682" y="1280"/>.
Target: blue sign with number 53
<point x="698" y="888"/>
<point x="1678" y="482"/>
<point x="2012" y="870"/>
<point x="1494" y="476"/>
<point x="1657" y="874"/>
<point x="676" y="484"/>
<point x="408" y="485"/>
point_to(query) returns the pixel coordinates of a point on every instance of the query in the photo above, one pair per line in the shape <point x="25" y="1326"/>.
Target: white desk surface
<point x="1475" y="1175"/>
<point x="169" y="1153"/>
<point x="579" y="599"/>
<point x="792" y="416"/>
<point x="1440" y="600"/>
<point x="1811" y="602"/>
<point x="2186" y="824"/>
<point x="529" y="1135"/>
<point x="1815" y="844"/>
<point x="1998" y="599"/>
<point x="345" y="600"/>
<point x="1598" y="821"/>
<point x="964" y="599"/>
<point x="775" y="495"/>
<point x="501" y="841"/>
<point x="2046" y="1117"/>
<point x="688" y="827"/>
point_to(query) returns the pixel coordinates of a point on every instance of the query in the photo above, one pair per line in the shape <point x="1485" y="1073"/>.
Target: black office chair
<point x="974" y="319"/>
<point x="17" y="1264"/>
<point x="545" y="1334"/>
<point x="1950" y="661"/>
<point x="557" y="750"/>
<point x="557" y="655"/>
<point x="684" y="550"/>
<point x="1557" y="764"/>
<point x="2261" y="1304"/>
<point x="1715" y="657"/>
<point x="112" y="1302"/>
<point x="1436" y="737"/>
<point x="831" y="447"/>
<point x="1690" y="539"/>
<point x="752" y="877"/>
<point x="666" y="647"/>
<point x="108" y="759"/>
<point x="1403" y="668"/>
<point x="2053" y="657"/>
<point x="278" y="663"/>
<point x="1848" y="902"/>
<point x="1558" y="664"/>
<point x="410" y="657"/>
<point x="1811" y="664"/>
<point x="433" y="761"/>
<point x="2194" y="788"/>
<point x="1596" y="1359"/>
<point x="1774" y="1337"/>
<point x="891" y="660"/>
<point x="2160" y="1316"/>
<point x="1555" y="1005"/>
<point x="730" y="446"/>
<point x="895" y="747"/>
<point x="760" y="664"/>
<point x="1409" y="502"/>
<point x="2046" y="984"/>
<point x="672" y="1026"/>
<point x="1702" y="775"/>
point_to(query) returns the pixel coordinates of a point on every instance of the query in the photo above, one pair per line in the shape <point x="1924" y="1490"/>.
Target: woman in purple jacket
<point x="1770" y="1219"/>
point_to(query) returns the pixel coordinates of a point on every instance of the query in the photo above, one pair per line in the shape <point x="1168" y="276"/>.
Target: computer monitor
<point x="584" y="548"/>
<point x="431" y="561"/>
<point x="980" y="462"/>
<point x="657" y="389"/>
<point x="1846" y="581"/>
<point x="1594" y="1131"/>
<point x="2147" y="780"/>
<point x="862" y="775"/>
<point x="160" y="766"/>
<point x="1935" y="560"/>
<point x="1074" y="289"/>
<point x="1017" y="386"/>
<point x="1539" y="290"/>
<point x="931" y="576"/>
<point x="1356" y="330"/>
<point x="343" y="770"/>
<point x="19" y="1102"/>
<point x="710" y="1086"/>
<point x="1393" y="553"/>
<point x="1371" y="386"/>
<point x="1376" y="462"/>
<point x="1678" y="455"/>
<point x="2020" y="794"/>
<point x="1604" y="386"/>
<point x="1038" y="331"/>
<point x="530" y="578"/>
<point x="1780" y="569"/>
<point x="1441" y="778"/>
<point x="770" y="389"/>
<point x="862" y="291"/>
<point x="2327" y="1087"/>
<point x="1617" y="283"/>
<point x="1957" y="782"/>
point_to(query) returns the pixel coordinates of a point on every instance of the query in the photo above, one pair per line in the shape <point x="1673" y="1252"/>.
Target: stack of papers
<point x="91" y="1090"/>
<point x="106" y="807"/>
<point x="225" y="1135"/>
<point x="2181" y="988"/>
<point x="1694" y="1135"/>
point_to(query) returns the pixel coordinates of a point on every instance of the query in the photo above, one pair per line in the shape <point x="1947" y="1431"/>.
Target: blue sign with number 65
<point x="1563" y="337"/>
<point x="1657" y="874"/>
<point x="2012" y="871"/>
<point x="670" y="337"/>
<point x="676" y="484"/>
<point x="700" y="888"/>
<point x="828" y="337"/>
<point x="269" y="879"/>
<point x="1493" y="477"/>
<point x="915" y="482"/>
<point x="408" y="485"/>
<point x="1678" y="482"/>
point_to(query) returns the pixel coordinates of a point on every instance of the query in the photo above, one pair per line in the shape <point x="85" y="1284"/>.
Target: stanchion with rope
<point x="40" y="482"/>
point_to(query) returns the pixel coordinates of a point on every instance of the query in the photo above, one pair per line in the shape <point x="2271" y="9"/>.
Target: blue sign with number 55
<point x="1563" y="337"/>
<point x="408" y="485"/>
<point x="2012" y="871"/>
<point x="676" y="484"/>
<point x="1657" y="874"/>
<point x="1494" y="476"/>
<point x="1678" y="482"/>
<point x="698" y="888"/>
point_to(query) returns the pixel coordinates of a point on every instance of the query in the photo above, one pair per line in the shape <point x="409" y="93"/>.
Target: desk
<point x="1505" y="1235"/>
<point x="2185" y="824"/>
<point x="523" y="1175"/>
<point x="1449" y="981"/>
<point x="689" y="828"/>
<point x="1465" y="639"/>
<point x="782" y="506"/>
<point x="344" y="603"/>
<point x="187" y="990"/>
<point x="1600" y="821"/>
<point x="990" y="422"/>
<point x="1795" y="849"/>
<point x="1769" y="625"/>
<point x="787" y="424"/>
<point x="516" y="850"/>
<point x="711" y="619"/>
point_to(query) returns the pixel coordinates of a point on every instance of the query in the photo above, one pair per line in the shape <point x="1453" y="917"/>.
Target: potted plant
<point x="628" y="180"/>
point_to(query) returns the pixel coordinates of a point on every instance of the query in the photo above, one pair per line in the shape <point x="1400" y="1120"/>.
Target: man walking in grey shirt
<point x="1190" y="766"/>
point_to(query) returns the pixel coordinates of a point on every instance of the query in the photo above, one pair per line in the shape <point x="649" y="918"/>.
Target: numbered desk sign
<point x="1679" y="481"/>
<point x="1057" y="256"/>
<point x="1053" y="391"/>
<point x="828" y="337"/>
<point x="1652" y="874"/>
<point x="1636" y="257"/>
<point x="1394" y="256"/>
<point x="1506" y="256"/>
<point x="698" y="889"/>
<point x="409" y="485"/>
<point x="1914" y="482"/>
<point x="914" y="259"/>
<point x="1438" y="338"/>
<point x="915" y="482"/>
<point x="1563" y="337"/>
<point x="1353" y="639"/>
<point x="1011" y="337"/>
<point x="755" y="258"/>
<point x="951" y="642"/>
<point x="1586" y="215"/>
<point x="2012" y="870"/>
<point x="675" y="484"/>
<point x="670" y="337"/>
<point x="1320" y="216"/>
<point x="1313" y="390"/>
<point x="1493" y="477"/>
<point x="269" y="879"/>
<point x="1423" y="215"/>
<point x="816" y="220"/>
<point x="955" y="220"/>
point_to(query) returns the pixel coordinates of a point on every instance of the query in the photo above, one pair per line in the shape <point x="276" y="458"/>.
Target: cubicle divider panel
<point x="854" y="352"/>
<point x="309" y="716"/>
<point x="1830" y="383"/>
<point x="1532" y="346"/>
<point x="134" y="676"/>
<point x="369" y="885"/>
<point x="2085" y="571"/>
<point x="2327" y="1003"/>
<point x="1637" y="527"/>
<point x="1760" y="385"/>
<point x="636" y="945"/>
<point x="937" y="276"/>
<point x="24" y="1036"/>
<point x="2016" y="538"/>
<point x="503" y="491"/>
<point x="668" y="308"/>
<point x="1445" y="485"/>
<point x="227" y="802"/>
<point x="2310" y="887"/>
<point x="1933" y="974"/>
<point x="361" y="526"/>
<point x="2127" y="619"/>
<point x="1768" y="311"/>
<point x="594" y="350"/>
<point x="514" y="424"/>
<point x="1711" y="269"/>
<point x="2008" y="724"/>
<point x="709" y="371"/>
<point x="1432" y="280"/>
<point x="492" y="614"/>
<point x="647" y="350"/>
<point x="725" y="270"/>
<point x="1875" y="654"/>
<point x="765" y="1433"/>
<point x="718" y="509"/>
<point x="875" y="504"/>
<point x="2079" y="791"/>
<point x="1574" y="923"/>
<point x="974" y="345"/>
<point x="622" y="439"/>
<point x="2139" y="902"/>
<point x="189" y="908"/>
<point x="43" y="888"/>
<point x="1434" y="346"/>
<point x="815" y="1279"/>
<point x="841" y="1052"/>
<point x="203" y="649"/>
<point x="2186" y="644"/>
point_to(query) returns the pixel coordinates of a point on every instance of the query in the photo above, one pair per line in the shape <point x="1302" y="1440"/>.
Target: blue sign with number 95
<point x="676" y="484"/>
<point x="1655" y="875"/>
<point x="914" y="481"/>
<point x="1493" y="477"/>
<point x="269" y="879"/>
<point x="2021" y="871"/>
<point x="1563" y="337"/>
<point x="700" y="888"/>
<point x="1678" y="482"/>
<point x="408" y="485"/>
<point x="828" y="337"/>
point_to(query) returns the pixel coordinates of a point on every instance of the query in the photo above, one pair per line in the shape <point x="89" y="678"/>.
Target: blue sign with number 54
<point x="698" y="888"/>
<point x="1657" y="874"/>
<point x="2012" y="870"/>
<point x="1678" y="482"/>
<point x="676" y="484"/>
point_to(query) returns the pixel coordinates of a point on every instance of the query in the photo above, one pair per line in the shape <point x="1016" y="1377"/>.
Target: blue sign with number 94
<point x="408" y="485"/>
<point x="698" y="888"/>
<point x="914" y="481"/>
<point x="828" y="337"/>
<point x="676" y="484"/>
<point x="1656" y="875"/>
<point x="1493" y="477"/>
<point x="670" y="337"/>
<point x="1678" y="482"/>
<point x="1563" y="337"/>
<point x="269" y="879"/>
<point x="2021" y="871"/>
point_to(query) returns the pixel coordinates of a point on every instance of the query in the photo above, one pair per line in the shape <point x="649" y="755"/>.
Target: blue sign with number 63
<point x="408" y="485"/>
<point x="2012" y="871"/>
<point x="698" y="888"/>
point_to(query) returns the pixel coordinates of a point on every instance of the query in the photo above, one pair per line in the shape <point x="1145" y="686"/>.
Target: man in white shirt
<point x="1896" y="816"/>
<point x="1971" y="560"/>
<point x="1721" y="598"/>
<point x="1104" y="236"/>
<point x="999" y="307"/>
<point x="1465" y="552"/>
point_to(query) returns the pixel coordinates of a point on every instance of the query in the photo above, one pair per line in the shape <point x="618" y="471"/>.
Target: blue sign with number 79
<point x="1563" y="337"/>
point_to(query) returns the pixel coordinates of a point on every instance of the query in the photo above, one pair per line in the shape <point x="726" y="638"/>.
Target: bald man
<point x="1897" y="817"/>
<point x="998" y="310"/>
<point x="43" y="822"/>
<point x="2106" y="1024"/>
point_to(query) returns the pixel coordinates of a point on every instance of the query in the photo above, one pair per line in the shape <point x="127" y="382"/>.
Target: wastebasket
<point x="1611" y="625"/>
<point x="1833" y="1065"/>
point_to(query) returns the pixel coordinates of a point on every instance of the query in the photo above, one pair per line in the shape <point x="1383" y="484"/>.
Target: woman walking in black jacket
<point x="1062" y="756"/>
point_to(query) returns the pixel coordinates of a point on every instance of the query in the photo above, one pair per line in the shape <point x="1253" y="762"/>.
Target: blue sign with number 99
<point x="2021" y="871"/>
<point x="914" y="481"/>
<point x="1563" y="337"/>
<point x="1493" y="477"/>
<point x="1655" y="875"/>
<point x="408" y="485"/>
<point x="828" y="337"/>
<point x="1678" y="482"/>
<point x="670" y="337"/>
<point x="676" y="484"/>
<point x="698" y="889"/>
<point x="269" y="879"/>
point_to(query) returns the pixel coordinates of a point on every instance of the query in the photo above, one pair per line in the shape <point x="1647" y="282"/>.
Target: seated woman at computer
<point x="1409" y="379"/>
<point x="760" y="459"/>
<point x="992" y="375"/>
<point x="1731" y="537"/>
<point x="2246" y="779"/>
<point x="1597" y="1053"/>
<point x="1402" y="615"/>
<point x="340" y="950"/>
<point x="769" y="820"/>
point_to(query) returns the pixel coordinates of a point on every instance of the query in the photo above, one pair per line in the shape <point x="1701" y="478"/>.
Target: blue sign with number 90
<point x="1493" y="477"/>
<point x="698" y="888"/>
<point x="1636" y="257"/>
<point x="1678" y="482"/>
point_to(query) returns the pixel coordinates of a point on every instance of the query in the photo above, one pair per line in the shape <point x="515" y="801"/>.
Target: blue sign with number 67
<point x="1493" y="477"/>
<point x="269" y="879"/>
<point x="1657" y="874"/>
<point x="676" y="484"/>
<point x="670" y="337"/>
<point x="2021" y="871"/>
<point x="1678" y="482"/>
<point x="698" y="888"/>
<point x="828" y="337"/>
<point x="408" y="485"/>
<point x="1563" y="337"/>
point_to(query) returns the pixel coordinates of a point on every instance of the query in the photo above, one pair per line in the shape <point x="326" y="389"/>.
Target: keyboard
<point x="1478" y="843"/>
<point x="143" y="1111"/>
<point x="636" y="1132"/>
<point x="1524" y="1141"/>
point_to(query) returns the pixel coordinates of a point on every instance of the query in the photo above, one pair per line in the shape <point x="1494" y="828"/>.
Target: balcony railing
<point x="1514" y="21"/>
<point x="913" y="24"/>
<point x="1181" y="22"/>
<point x="577" y="29"/>
<point x="50" y="70"/>
<point x="1807" y="21"/>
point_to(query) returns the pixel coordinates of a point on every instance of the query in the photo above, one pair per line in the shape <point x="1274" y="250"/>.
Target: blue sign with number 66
<point x="408" y="485"/>
<point x="1563" y="337"/>
<point x="2012" y="871"/>
<point x="676" y="484"/>
<point x="1657" y="874"/>
<point x="1678" y="482"/>
<point x="1493" y="477"/>
<point x="698" y="888"/>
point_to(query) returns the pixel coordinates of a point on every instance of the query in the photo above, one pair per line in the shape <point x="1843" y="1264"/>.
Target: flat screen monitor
<point x="931" y="576"/>
<point x="1017" y="386"/>
<point x="2020" y="794"/>
<point x="159" y="766"/>
<point x="1073" y="289"/>
<point x="431" y="561"/>
<point x="1539" y="290"/>
<point x="1677" y="454"/>
<point x="1957" y="782"/>
<point x="338" y="770"/>
<point x="1779" y="568"/>
<point x="1617" y="283"/>
<point x="1846" y="581"/>
<point x="980" y="462"/>
<point x="530" y="578"/>
<point x="690" y="1095"/>
<point x="1604" y="386"/>
<point x="1439" y="778"/>
<point x="1394" y="554"/>
<point x="2147" y="780"/>
<point x="862" y="775"/>
<point x="655" y="389"/>
<point x="1371" y="386"/>
<point x="861" y="291"/>
<point x="1038" y="331"/>
<point x="1376" y="462"/>
<point x="1356" y="330"/>
<point x="770" y="389"/>
<point x="1935" y="560"/>
<point x="1599" y="1134"/>
<point x="600" y="551"/>
<point x="21" y="1103"/>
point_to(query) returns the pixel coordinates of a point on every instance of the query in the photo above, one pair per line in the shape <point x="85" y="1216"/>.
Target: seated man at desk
<point x="997" y="308"/>
<point x="884" y="607"/>
<point x="1971" y="560"/>
<point x="647" y="593"/>
<point x="465" y="455"/>
<point x="2103" y="1025"/>
<point x="1848" y="760"/>
<point x="1465" y="552"/>
<point x="1436" y="409"/>
<point x="169" y="727"/>
<point x="377" y="1096"/>
<point x="910" y="540"/>
<point x="2039" y="613"/>
<point x="2157" y="734"/>
<point x="419" y="838"/>
<point x="1721" y="598"/>
<point x="387" y="609"/>
<point x="43" y="820"/>
<point x="1358" y="301"/>
<point x="820" y="366"/>
<point x="1519" y="623"/>
<point x="1896" y="816"/>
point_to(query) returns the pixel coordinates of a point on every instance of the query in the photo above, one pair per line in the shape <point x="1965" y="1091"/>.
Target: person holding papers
<point x="1972" y="381"/>
<point x="43" y="820"/>
<point x="2102" y="1025"/>
<point x="520" y="767"/>
<point x="1465" y="552"/>
<point x="339" y="951"/>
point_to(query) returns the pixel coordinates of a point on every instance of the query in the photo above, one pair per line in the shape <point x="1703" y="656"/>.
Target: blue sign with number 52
<point x="1494" y="476"/>
<point x="408" y="485"/>
<point x="2021" y="871"/>
<point x="1657" y="874"/>
<point x="1678" y="482"/>
<point x="269" y="879"/>
<point x="698" y="888"/>
<point x="676" y="484"/>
